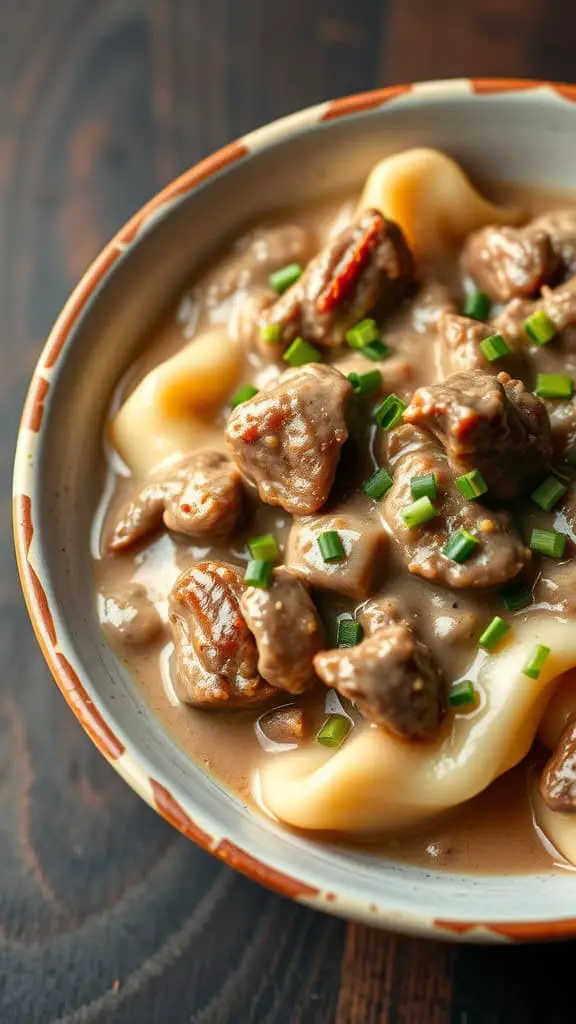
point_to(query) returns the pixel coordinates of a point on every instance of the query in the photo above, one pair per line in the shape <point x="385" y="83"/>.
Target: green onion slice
<point x="419" y="512"/>
<point x="264" y="548"/>
<point x="472" y="485"/>
<point x="244" y="394"/>
<point x="516" y="596"/>
<point x="258" y="573"/>
<point x="389" y="412"/>
<point x="331" y="547"/>
<point x="377" y="485"/>
<point x="362" y="334"/>
<point x="461" y="546"/>
<point x="554" y="385"/>
<point x="494" y="348"/>
<point x="286" y="276"/>
<point x="334" y="731"/>
<point x="477" y="306"/>
<point x="424" y="487"/>
<point x="548" y="493"/>
<point x="493" y="633"/>
<point x="270" y="332"/>
<point x="366" y="384"/>
<point x="301" y="352"/>
<point x="536" y="662"/>
<point x="548" y="542"/>
<point x="540" y="328"/>
<point x="350" y="633"/>
<point x="462" y="694"/>
<point x="376" y="350"/>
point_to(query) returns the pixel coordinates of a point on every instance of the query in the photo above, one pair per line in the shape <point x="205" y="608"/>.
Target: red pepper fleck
<point x="349" y="268"/>
<point x="466" y="426"/>
<point x="251" y="433"/>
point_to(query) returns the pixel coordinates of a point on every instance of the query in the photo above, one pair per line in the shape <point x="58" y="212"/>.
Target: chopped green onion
<point x="265" y="548"/>
<point x="536" y="663"/>
<point x="424" y="487"/>
<point x="493" y="633"/>
<point x="462" y="694"/>
<point x="331" y="547"/>
<point x="540" y="328"/>
<point x="301" y="352"/>
<point x="389" y="412"/>
<point x="334" y="731"/>
<point x="366" y="384"/>
<point x="494" y="348"/>
<point x="419" y="512"/>
<point x="472" y="484"/>
<point x="477" y="306"/>
<point x="461" y="545"/>
<point x="377" y="485"/>
<point x="350" y="633"/>
<point x="548" y="493"/>
<point x="282" y="279"/>
<point x="548" y="542"/>
<point x="516" y="596"/>
<point x="270" y="332"/>
<point x="554" y="385"/>
<point x="375" y="350"/>
<point x="362" y="334"/>
<point x="243" y="394"/>
<point x="258" y="573"/>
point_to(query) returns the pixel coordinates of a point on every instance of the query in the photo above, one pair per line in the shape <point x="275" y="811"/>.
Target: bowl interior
<point x="512" y="136"/>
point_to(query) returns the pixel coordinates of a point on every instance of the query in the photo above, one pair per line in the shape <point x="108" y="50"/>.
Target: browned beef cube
<point x="287" y="439"/>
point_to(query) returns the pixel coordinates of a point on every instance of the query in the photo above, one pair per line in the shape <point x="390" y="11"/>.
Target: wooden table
<point x="106" y="914"/>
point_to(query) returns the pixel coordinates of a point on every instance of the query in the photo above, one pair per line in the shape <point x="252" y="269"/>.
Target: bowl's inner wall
<point x="493" y="137"/>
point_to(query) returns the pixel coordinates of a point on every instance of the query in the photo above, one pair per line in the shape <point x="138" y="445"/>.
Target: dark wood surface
<point x="106" y="914"/>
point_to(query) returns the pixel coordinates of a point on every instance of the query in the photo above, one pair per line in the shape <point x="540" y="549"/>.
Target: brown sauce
<point x="492" y="833"/>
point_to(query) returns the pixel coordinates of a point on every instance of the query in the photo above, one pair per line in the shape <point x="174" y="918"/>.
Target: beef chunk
<point x="129" y="617"/>
<point x="287" y="439"/>
<point x="364" y="543"/>
<point x="560" y="226"/>
<point x="501" y="554"/>
<point x="560" y="304"/>
<point x="460" y="340"/>
<point x="511" y="262"/>
<point x="558" y="780"/>
<point x="256" y="255"/>
<point x="487" y="423"/>
<point x="215" y="652"/>
<point x="287" y="629"/>
<point x="558" y="356"/>
<point x="200" y="496"/>
<point x="368" y="266"/>
<point x="393" y="680"/>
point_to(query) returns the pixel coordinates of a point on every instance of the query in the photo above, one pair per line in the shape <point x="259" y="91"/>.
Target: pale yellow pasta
<point x="168" y="413"/>
<point x="561" y="708"/>
<point x="375" y="781"/>
<point x="430" y="197"/>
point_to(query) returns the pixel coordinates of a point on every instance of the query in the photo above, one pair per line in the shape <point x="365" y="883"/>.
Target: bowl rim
<point x="47" y="617"/>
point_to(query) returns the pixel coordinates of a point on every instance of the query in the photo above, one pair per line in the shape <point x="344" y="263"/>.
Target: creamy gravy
<point x="492" y="833"/>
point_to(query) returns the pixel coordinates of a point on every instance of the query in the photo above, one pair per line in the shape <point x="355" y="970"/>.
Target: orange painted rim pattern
<point x="43" y="618"/>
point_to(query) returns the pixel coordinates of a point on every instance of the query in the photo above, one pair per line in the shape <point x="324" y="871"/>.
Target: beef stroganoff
<point x="336" y="546"/>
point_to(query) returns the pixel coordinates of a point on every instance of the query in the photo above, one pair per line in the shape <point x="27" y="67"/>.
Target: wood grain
<point x="106" y="914"/>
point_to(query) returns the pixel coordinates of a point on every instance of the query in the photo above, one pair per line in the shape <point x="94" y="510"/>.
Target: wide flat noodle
<point x="168" y="413"/>
<point x="430" y="197"/>
<point x="376" y="781"/>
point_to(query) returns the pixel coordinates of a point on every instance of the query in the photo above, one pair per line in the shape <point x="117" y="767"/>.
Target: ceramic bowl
<point x="514" y="130"/>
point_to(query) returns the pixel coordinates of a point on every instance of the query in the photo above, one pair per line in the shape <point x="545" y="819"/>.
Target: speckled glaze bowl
<point x="515" y="130"/>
